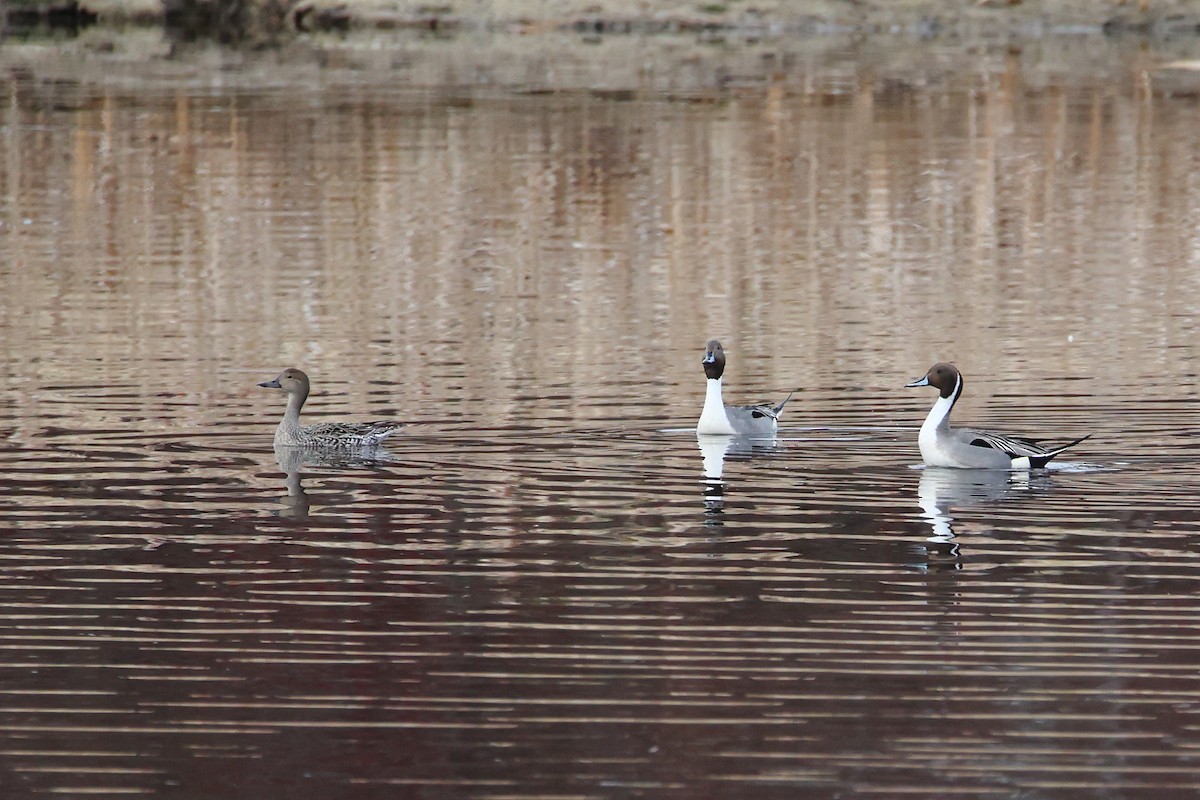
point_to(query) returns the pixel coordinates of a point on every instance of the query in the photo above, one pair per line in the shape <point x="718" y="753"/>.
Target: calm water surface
<point x="546" y="587"/>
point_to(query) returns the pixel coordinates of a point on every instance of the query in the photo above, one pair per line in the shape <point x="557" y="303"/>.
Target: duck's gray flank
<point x="290" y="433"/>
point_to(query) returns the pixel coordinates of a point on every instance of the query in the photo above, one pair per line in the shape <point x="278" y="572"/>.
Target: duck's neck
<point x="291" y="417"/>
<point x="713" y="418"/>
<point x="938" y="420"/>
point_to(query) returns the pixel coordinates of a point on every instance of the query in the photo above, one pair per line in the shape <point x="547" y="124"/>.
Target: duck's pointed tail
<point x="1040" y="461"/>
<point x="385" y="429"/>
<point x="779" y="408"/>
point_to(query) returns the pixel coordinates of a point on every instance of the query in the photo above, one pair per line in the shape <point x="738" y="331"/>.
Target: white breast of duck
<point x="713" y="418"/>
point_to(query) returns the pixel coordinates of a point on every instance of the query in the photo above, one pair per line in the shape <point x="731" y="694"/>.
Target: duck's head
<point x="714" y="359"/>
<point x="943" y="376"/>
<point x="291" y="380"/>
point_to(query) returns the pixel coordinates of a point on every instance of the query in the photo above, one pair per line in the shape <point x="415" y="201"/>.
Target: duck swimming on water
<point x="943" y="446"/>
<point x="719" y="419"/>
<point x="291" y="433"/>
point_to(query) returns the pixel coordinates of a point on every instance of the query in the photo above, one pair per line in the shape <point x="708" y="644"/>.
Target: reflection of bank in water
<point x="714" y="450"/>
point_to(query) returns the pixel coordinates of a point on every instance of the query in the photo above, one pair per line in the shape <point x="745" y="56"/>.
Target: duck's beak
<point x="271" y="384"/>
<point x="709" y="358"/>
<point x="921" y="382"/>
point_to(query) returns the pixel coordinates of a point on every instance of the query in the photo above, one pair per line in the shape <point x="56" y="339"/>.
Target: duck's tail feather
<point x="385" y="429"/>
<point x="779" y="408"/>
<point x="1040" y="461"/>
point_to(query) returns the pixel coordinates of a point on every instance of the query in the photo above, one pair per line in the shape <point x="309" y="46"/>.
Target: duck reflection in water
<point x="294" y="460"/>
<point x="295" y="503"/>
<point x="714" y="450"/>
<point x="943" y="489"/>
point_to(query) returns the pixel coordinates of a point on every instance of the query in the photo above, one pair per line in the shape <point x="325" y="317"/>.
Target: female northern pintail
<point x="943" y="446"/>
<point x="291" y="433"/>
<point x="718" y="418"/>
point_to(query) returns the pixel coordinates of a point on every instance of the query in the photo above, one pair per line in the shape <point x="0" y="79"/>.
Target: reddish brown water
<point x="536" y="592"/>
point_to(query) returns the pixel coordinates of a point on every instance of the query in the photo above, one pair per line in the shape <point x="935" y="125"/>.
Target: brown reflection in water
<point x="469" y="245"/>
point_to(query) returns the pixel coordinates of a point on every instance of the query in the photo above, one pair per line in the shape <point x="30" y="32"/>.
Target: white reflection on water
<point x="714" y="450"/>
<point x="942" y="489"/>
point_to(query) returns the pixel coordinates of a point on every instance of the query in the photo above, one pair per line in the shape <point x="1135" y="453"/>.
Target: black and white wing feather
<point x="767" y="410"/>
<point x="1016" y="447"/>
<point x="1012" y="445"/>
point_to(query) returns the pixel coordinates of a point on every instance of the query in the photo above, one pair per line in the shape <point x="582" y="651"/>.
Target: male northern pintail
<point x="718" y="418"/>
<point x="291" y="433"/>
<point x="943" y="446"/>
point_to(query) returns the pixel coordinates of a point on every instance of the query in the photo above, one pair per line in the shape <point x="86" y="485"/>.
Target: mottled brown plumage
<point x="326" y="435"/>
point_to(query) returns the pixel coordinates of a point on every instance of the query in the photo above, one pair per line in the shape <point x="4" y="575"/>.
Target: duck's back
<point x="338" y="434"/>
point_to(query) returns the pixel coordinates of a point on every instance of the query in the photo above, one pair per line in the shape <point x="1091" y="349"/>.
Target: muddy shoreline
<point x="985" y="20"/>
<point x="625" y="47"/>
